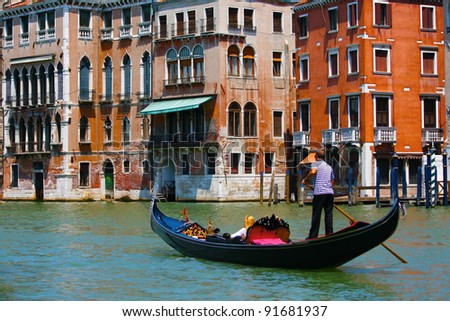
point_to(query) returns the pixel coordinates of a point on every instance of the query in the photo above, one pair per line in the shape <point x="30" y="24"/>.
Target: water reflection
<point x="106" y="251"/>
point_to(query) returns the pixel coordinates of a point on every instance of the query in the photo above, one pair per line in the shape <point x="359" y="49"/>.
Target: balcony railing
<point x="107" y="34"/>
<point x="385" y="135"/>
<point x="185" y="81"/>
<point x="45" y="35"/>
<point x="23" y="148"/>
<point x="24" y="39"/>
<point x="86" y="95"/>
<point x="125" y="31"/>
<point x="161" y="32"/>
<point x="432" y="135"/>
<point x="84" y="33"/>
<point x="300" y="139"/>
<point x="208" y="25"/>
<point x="331" y="136"/>
<point x="145" y="29"/>
<point x="350" y="135"/>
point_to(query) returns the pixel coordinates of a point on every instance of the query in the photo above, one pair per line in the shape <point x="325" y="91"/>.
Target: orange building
<point x="371" y="84"/>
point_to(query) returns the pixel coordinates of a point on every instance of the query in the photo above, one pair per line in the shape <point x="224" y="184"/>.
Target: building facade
<point x="72" y="94"/>
<point x="101" y="99"/>
<point x="228" y="66"/>
<point x="371" y="85"/>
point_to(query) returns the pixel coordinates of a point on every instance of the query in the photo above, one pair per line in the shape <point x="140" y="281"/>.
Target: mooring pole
<point x="427" y="180"/>
<point x="444" y="170"/>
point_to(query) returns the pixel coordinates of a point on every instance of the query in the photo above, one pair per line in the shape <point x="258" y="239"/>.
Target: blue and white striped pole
<point x="433" y="177"/>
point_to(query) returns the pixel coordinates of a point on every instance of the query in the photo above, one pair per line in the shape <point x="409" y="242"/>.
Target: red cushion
<point x="268" y="241"/>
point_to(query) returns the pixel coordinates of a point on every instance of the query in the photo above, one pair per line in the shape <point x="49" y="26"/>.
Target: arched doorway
<point x="108" y="170"/>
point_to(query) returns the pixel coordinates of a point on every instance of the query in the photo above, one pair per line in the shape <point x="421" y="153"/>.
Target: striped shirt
<point x="324" y="176"/>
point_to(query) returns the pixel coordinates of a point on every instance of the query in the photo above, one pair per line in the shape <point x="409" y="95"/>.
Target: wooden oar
<point x="353" y="221"/>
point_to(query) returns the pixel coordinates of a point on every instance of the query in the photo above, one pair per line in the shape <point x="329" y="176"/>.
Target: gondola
<point x="275" y="251"/>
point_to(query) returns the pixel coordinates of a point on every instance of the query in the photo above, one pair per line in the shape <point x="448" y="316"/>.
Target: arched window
<point x="126" y="130"/>
<point x="26" y="88"/>
<point x="126" y="76"/>
<point x="42" y="85"/>
<point x="39" y="134"/>
<point x="60" y="81"/>
<point x="17" y="87"/>
<point x="249" y="61"/>
<point x="57" y="130"/>
<point x="233" y="61"/>
<point x="12" y="132"/>
<point x="8" y="79"/>
<point x="107" y="71"/>
<point x="47" y="132"/>
<point x="250" y="119"/>
<point x="22" y="134"/>
<point x="234" y="119"/>
<point x="34" y="86"/>
<point x="108" y="129"/>
<point x="84" y="129"/>
<point x="51" y="84"/>
<point x="172" y="66"/>
<point x="146" y="75"/>
<point x="85" y="67"/>
<point x="30" y="134"/>
<point x="185" y="64"/>
<point x="199" y="71"/>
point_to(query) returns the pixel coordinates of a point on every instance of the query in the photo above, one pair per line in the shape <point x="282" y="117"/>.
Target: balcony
<point x="331" y="136"/>
<point x="107" y="34"/>
<point x="27" y="148"/>
<point x="385" y="135"/>
<point x="125" y="31"/>
<point x="84" y="33"/>
<point x="300" y="139"/>
<point x="145" y="29"/>
<point x="161" y="32"/>
<point x="45" y="35"/>
<point x="194" y="139"/>
<point x="24" y="39"/>
<point x="432" y="135"/>
<point x="208" y="25"/>
<point x="350" y="135"/>
<point x="185" y="81"/>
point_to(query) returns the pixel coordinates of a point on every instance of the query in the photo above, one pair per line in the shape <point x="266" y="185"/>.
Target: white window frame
<point x="349" y="62"/>
<point x="307" y="29"/>
<point x="434" y="17"/>
<point x="331" y="52"/>
<point x="388" y="62"/>
<point x="337" y="19"/>
<point x="349" y="15"/>
<point x="350" y="111"/>
<point x="329" y="100"/>
<point x="423" y="51"/>
<point x="374" y="99"/>
<point x="436" y="110"/>
<point x="301" y="59"/>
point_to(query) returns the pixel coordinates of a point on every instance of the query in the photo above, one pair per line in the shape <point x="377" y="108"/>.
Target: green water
<point x="106" y="251"/>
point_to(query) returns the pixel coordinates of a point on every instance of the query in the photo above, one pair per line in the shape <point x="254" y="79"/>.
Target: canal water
<point x="107" y="251"/>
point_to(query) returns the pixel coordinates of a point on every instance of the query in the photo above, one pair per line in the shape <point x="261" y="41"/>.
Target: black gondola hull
<point x="320" y="253"/>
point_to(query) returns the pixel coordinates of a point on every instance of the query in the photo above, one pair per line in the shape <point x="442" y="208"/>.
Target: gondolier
<point x="323" y="195"/>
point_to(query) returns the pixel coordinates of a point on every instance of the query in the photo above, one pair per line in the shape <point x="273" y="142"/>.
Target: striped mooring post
<point x="433" y="178"/>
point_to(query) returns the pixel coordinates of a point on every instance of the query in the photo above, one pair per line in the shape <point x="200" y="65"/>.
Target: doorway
<point x="108" y="170"/>
<point x="38" y="173"/>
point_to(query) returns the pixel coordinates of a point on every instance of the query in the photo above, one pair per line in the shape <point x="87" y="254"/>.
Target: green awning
<point x="174" y="105"/>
